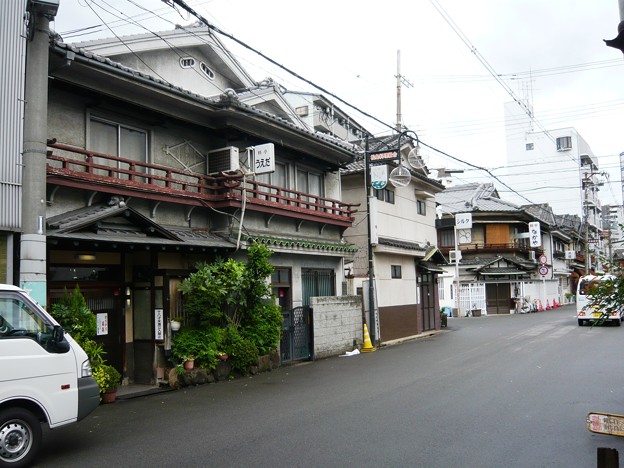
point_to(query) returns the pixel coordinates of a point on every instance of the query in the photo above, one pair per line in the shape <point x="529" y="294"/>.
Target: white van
<point x="588" y="313"/>
<point x="45" y="377"/>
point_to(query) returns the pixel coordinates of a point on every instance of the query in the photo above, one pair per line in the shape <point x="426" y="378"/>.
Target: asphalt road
<point x="508" y="391"/>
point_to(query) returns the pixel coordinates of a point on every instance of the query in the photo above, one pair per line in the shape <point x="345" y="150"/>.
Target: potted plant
<point x="189" y="362"/>
<point x="176" y="323"/>
<point x="188" y="345"/>
<point x="108" y="379"/>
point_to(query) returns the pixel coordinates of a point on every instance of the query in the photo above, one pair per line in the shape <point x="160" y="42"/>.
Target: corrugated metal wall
<point x="12" y="38"/>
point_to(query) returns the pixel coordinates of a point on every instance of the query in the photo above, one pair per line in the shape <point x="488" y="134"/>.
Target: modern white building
<point x="546" y="166"/>
<point x="556" y="167"/>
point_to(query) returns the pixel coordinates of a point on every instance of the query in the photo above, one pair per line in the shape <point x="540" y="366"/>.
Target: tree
<point x="236" y="298"/>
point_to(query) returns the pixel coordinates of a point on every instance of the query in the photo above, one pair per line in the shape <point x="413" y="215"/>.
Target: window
<point x="187" y="62"/>
<point x="309" y="182"/>
<point x="302" y="111"/>
<point x="421" y="207"/>
<point x="441" y="290"/>
<point x="384" y="195"/>
<point x="315" y="283"/>
<point x="206" y="70"/>
<point x="20" y="319"/>
<point x="116" y="139"/>
<point x="564" y="143"/>
<point x="395" y="271"/>
<point x="529" y="146"/>
<point x="447" y="238"/>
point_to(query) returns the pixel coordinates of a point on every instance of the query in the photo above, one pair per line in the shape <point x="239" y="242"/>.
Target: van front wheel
<point x="20" y="437"/>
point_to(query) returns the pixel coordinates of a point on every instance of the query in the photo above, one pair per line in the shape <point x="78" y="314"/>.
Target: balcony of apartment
<point x="82" y="169"/>
<point x="512" y="248"/>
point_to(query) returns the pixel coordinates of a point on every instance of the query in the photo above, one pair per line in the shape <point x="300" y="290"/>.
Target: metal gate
<point x="296" y="341"/>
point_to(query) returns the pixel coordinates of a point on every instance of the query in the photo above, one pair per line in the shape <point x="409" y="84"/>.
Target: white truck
<point x="45" y="377"/>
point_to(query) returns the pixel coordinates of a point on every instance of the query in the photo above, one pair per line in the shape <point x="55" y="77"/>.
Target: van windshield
<point x="18" y="318"/>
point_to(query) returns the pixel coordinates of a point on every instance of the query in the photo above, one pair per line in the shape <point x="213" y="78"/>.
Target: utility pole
<point x="33" y="241"/>
<point x="401" y="80"/>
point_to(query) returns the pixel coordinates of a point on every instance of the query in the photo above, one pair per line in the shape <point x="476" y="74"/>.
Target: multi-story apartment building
<point x="556" y="167"/>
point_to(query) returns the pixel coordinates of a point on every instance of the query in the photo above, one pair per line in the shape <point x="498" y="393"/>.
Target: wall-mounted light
<point x="128" y="296"/>
<point x="85" y="257"/>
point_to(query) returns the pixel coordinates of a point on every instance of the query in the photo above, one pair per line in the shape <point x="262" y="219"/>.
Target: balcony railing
<point x="481" y="247"/>
<point x="89" y="170"/>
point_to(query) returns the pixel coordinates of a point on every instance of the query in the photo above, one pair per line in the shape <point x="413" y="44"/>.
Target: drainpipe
<point x="33" y="240"/>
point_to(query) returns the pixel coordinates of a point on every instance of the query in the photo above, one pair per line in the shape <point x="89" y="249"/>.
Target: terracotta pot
<point x="188" y="365"/>
<point x="109" y="396"/>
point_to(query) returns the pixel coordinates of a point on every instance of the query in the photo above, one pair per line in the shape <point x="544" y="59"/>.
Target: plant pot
<point x="189" y="364"/>
<point x="109" y="397"/>
<point x="175" y="325"/>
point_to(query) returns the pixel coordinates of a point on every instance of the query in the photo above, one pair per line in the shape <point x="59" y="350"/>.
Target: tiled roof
<point x="228" y="99"/>
<point x="473" y="197"/>
<point x="401" y="244"/>
<point x="302" y="244"/>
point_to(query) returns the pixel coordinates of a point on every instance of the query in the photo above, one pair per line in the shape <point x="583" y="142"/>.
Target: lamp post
<point x="399" y="177"/>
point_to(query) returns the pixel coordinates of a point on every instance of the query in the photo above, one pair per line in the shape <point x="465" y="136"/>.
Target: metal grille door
<point x="296" y="342"/>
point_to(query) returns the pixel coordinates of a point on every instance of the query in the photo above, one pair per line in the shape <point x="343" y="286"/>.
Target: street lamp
<point x="400" y="176"/>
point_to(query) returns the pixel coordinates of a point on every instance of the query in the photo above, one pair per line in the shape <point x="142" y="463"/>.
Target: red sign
<point x="543" y="259"/>
<point x="543" y="270"/>
<point x="383" y="156"/>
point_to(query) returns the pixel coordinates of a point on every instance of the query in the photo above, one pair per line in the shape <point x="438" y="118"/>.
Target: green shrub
<point x="242" y="352"/>
<point x="234" y="298"/>
<point x="107" y="377"/>
<point x="72" y="312"/>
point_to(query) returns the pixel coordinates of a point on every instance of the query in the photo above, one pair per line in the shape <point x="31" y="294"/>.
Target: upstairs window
<point x="529" y="147"/>
<point x="421" y="207"/>
<point x="395" y="271"/>
<point x="384" y="195"/>
<point x="564" y="143"/>
<point x="116" y="139"/>
<point x="206" y="70"/>
<point x="302" y="111"/>
<point x="187" y="62"/>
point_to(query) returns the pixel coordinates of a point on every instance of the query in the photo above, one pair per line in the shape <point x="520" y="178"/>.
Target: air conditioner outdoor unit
<point x="223" y="160"/>
<point x="532" y="255"/>
<point x="455" y="255"/>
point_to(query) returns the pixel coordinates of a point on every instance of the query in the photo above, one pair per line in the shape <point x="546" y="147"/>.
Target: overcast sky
<point x="550" y="53"/>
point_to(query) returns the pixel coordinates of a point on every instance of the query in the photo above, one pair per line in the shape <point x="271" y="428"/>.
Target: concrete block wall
<point x="337" y="321"/>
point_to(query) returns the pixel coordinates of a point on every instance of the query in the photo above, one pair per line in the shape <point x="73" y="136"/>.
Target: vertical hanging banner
<point x="379" y="176"/>
<point x="102" y="323"/>
<point x="159" y="332"/>
<point x="535" y="234"/>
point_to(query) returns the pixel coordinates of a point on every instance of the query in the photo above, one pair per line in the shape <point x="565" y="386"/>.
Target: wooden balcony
<point x="70" y="166"/>
<point x="499" y="249"/>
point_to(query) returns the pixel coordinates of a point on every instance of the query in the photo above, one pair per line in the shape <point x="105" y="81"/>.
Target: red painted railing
<point x="79" y="168"/>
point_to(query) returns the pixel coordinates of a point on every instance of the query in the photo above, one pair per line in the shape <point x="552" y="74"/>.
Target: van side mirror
<point x="58" y="334"/>
<point x="58" y="343"/>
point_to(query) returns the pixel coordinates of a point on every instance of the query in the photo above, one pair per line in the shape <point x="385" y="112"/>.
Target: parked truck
<point x="45" y="377"/>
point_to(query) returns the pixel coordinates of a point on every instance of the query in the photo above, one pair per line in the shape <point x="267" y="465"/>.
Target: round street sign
<point x="543" y="260"/>
<point x="543" y="270"/>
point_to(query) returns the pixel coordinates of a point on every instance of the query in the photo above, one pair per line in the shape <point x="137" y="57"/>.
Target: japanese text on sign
<point x="264" y="158"/>
<point x="158" y="325"/>
<point x="463" y="220"/>
<point x="535" y="234"/>
<point x="383" y="157"/>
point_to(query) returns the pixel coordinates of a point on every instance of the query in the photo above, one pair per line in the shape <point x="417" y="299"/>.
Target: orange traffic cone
<point x="368" y="346"/>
